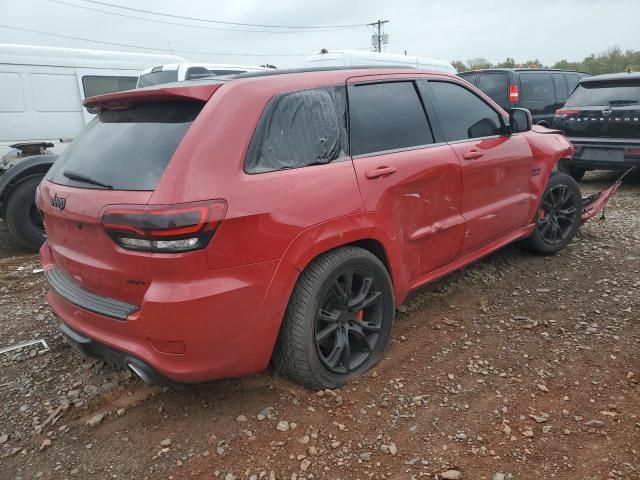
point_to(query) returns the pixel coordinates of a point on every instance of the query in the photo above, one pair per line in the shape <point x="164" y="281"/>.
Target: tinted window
<point x="496" y="86"/>
<point x="100" y="85"/>
<point x="561" y="87"/>
<point x="536" y="86"/>
<point x="299" y="129"/>
<point x="126" y="149"/>
<point x="572" y="81"/>
<point x="386" y="116"/>
<point x="156" y="78"/>
<point x="469" y="77"/>
<point x="605" y="93"/>
<point x="463" y="114"/>
<point x="202" y="72"/>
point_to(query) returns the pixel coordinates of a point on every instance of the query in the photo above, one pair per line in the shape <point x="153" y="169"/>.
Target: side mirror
<point x="519" y="120"/>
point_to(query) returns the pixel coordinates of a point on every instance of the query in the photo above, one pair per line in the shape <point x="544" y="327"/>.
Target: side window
<point x="386" y="116"/>
<point x="561" y="87"/>
<point x="300" y="129"/>
<point x="572" y="82"/>
<point x="99" y="85"/>
<point x="462" y="114"/>
<point x="469" y="77"/>
<point x="536" y="87"/>
<point x="496" y="86"/>
<point x="202" y="72"/>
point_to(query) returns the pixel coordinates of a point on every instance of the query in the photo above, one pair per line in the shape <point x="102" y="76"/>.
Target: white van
<point x="42" y="89"/>
<point x="359" y="57"/>
<point x="179" y="72"/>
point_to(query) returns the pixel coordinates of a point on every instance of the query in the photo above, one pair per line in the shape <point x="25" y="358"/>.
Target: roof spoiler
<point x="122" y="100"/>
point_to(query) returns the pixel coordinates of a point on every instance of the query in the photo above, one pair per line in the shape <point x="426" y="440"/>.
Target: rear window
<point x="126" y="149"/>
<point x="536" y="87"/>
<point x="496" y="86"/>
<point x="157" y="78"/>
<point x="599" y="94"/>
<point x="386" y="116"/>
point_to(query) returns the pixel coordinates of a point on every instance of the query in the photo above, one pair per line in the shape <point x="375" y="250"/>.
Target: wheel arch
<point x="359" y="230"/>
<point x="28" y="168"/>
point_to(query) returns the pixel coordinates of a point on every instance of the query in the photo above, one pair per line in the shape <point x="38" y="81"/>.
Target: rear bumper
<point x="224" y="325"/>
<point x="609" y="154"/>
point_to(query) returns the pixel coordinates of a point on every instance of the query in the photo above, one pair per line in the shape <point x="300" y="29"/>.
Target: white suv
<point x="178" y="72"/>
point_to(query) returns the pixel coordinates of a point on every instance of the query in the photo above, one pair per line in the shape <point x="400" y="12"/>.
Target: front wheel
<point x="22" y="216"/>
<point x="558" y="216"/>
<point x="338" y="321"/>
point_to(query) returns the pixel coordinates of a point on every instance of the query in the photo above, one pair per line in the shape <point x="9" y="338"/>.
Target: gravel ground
<point x="518" y="367"/>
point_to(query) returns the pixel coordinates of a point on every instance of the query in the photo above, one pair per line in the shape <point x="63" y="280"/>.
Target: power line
<point x="204" y="27"/>
<point x="69" y="37"/>
<point x="140" y="10"/>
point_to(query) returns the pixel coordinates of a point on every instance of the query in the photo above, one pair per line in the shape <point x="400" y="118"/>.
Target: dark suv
<point x="541" y="91"/>
<point x="602" y="120"/>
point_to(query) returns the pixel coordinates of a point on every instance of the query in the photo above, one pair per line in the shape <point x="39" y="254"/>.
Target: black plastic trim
<point x="61" y="283"/>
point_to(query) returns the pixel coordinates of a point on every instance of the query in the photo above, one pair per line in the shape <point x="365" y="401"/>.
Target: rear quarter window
<point x="126" y="149"/>
<point x="300" y="129"/>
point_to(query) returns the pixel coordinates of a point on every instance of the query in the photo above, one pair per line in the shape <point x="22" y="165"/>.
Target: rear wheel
<point x="338" y="321"/>
<point x="574" y="172"/>
<point x="558" y="217"/>
<point x="22" y="216"/>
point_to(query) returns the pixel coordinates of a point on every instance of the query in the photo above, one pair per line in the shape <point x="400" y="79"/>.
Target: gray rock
<point x="96" y="420"/>
<point x="282" y="426"/>
<point x="451" y="475"/>
<point x="594" y="424"/>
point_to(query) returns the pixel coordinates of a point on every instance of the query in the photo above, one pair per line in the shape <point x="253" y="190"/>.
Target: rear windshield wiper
<point x="78" y="177"/>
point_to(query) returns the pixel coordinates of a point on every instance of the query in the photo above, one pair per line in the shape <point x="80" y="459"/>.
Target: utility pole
<point x="378" y="25"/>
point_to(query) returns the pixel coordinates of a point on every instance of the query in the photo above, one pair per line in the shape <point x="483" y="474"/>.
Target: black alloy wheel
<point x="348" y="321"/>
<point x="558" y="215"/>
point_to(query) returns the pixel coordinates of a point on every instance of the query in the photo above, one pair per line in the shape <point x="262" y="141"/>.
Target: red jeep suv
<point x="204" y="229"/>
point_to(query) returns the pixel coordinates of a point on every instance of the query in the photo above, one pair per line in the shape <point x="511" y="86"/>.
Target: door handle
<point x="472" y="155"/>
<point x="380" y="172"/>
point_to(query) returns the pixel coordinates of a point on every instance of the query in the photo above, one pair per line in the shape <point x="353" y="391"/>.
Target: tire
<point x="558" y="216"/>
<point x="22" y="216"/>
<point x="574" y="172"/>
<point x="305" y="352"/>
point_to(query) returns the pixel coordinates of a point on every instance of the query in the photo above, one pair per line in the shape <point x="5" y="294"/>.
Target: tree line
<point x="613" y="60"/>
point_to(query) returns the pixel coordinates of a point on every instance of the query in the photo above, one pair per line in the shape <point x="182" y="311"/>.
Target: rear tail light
<point x="563" y="112"/>
<point x="632" y="151"/>
<point x="163" y="228"/>
<point x="513" y="93"/>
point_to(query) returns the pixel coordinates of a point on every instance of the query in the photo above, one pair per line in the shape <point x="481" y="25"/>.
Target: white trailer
<point x="360" y="57"/>
<point x="42" y="88"/>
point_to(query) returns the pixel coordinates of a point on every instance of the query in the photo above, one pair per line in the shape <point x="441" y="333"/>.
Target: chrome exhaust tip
<point x="140" y="373"/>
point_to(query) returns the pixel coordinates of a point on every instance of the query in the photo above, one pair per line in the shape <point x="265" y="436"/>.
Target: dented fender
<point x="596" y="202"/>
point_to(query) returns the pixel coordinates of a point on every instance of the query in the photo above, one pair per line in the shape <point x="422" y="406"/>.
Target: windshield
<point x="599" y="94"/>
<point x="125" y="149"/>
<point x="157" y="78"/>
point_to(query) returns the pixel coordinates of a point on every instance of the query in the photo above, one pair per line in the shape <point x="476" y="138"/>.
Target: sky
<point x="549" y="30"/>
